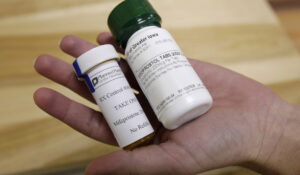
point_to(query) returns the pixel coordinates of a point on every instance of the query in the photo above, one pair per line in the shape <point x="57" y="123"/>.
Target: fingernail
<point x="122" y="56"/>
<point x="136" y="92"/>
<point x="59" y="42"/>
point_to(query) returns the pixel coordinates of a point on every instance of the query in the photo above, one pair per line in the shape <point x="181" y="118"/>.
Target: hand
<point x="246" y="126"/>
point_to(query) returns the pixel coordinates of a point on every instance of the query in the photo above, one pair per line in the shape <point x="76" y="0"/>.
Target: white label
<point x="161" y="69"/>
<point x="118" y="104"/>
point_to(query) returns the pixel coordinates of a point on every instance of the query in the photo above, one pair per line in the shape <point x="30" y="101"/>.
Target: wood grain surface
<point x="242" y="35"/>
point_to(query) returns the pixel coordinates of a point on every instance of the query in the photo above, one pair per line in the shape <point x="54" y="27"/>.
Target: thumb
<point x="147" y="160"/>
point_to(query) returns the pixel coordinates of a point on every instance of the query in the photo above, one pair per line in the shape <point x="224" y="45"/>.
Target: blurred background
<point x="252" y="37"/>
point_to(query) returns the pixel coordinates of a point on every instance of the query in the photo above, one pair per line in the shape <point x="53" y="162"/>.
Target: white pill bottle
<point x="171" y="85"/>
<point x="111" y="91"/>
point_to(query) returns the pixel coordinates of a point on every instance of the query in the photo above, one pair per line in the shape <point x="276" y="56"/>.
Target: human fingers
<point x="76" y="115"/>
<point x="62" y="73"/>
<point x="154" y="159"/>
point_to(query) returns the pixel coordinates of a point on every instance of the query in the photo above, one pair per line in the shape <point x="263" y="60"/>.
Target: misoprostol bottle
<point x="172" y="87"/>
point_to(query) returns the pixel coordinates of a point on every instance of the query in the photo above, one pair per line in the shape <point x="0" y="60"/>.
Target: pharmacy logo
<point x="95" y="81"/>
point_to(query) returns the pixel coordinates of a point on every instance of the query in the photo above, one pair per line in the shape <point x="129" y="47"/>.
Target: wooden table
<point x="241" y="35"/>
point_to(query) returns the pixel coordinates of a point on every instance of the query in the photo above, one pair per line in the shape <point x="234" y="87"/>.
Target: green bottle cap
<point x="130" y="16"/>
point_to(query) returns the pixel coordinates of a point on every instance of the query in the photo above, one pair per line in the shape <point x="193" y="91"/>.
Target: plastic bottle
<point x="173" y="88"/>
<point x="111" y="91"/>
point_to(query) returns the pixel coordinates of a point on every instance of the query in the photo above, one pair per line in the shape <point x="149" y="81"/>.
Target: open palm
<point x="234" y="131"/>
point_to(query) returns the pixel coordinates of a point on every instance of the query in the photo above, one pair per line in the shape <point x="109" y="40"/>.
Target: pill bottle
<point x="172" y="87"/>
<point x="111" y="91"/>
